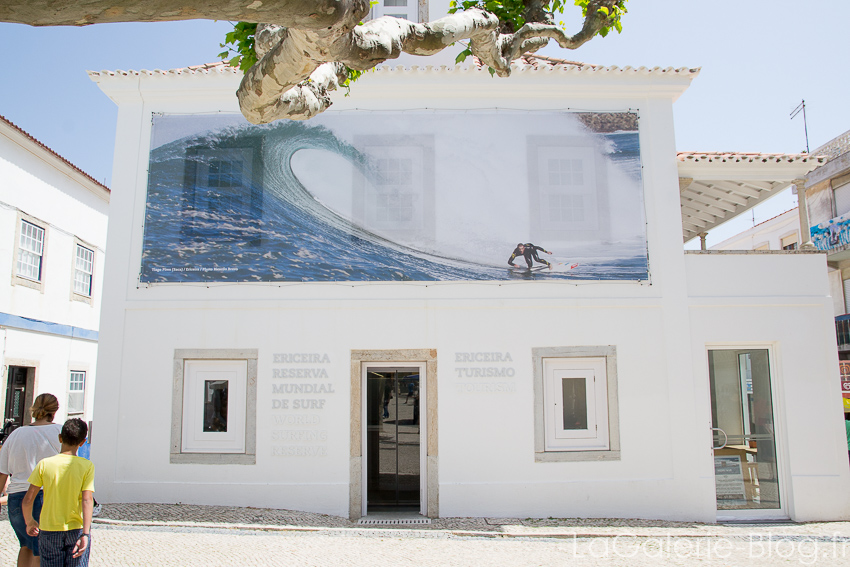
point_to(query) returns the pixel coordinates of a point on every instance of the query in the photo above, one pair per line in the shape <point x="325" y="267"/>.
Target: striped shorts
<point x="57" y="549"/>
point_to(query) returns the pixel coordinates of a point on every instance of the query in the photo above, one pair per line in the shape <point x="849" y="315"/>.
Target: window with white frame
<point x="395" y="196"/>
<point x="568" y="189"/>
<point x="77" y="392"/>
<point x="396" y="205"/>
<point x="222" y="180"/>
<point x="404" y="9"/>
<point x="30" y="251"/>
<point x="214" y="407"/>
<point x="575" y="394"/>
<point x="395" y="199"/>
<point x="576" y="404"/>
<point x="83" y="270"/>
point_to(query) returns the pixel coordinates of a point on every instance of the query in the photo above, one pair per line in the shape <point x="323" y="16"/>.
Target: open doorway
<point x="394" y="461"/>
<point x="20" y="384"/>
<point x="393" y="439"/>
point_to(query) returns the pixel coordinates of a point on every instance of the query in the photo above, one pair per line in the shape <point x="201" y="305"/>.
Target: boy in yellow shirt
<point x="64" y="530"/>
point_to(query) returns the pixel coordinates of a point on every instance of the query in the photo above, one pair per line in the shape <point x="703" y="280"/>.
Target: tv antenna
<point x="802" y="108"/>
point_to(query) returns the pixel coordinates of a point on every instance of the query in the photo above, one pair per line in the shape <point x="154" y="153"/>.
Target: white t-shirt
<point x="24" y="448"/>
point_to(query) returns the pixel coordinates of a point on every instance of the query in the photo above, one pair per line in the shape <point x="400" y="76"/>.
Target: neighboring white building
<point x="781" y="232"/>
<point x="259" y="356"/>
<point x="53" y="219"/>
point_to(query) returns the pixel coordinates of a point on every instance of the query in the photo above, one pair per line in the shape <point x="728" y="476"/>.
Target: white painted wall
<point x="486" y="445"/>
<point x="35" y="182"/>
<point x="771" y="232"/>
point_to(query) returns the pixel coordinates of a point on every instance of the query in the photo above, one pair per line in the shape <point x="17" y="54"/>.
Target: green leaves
<point x="461" y="57"/>
<point x="508" y="11"/>
<point x="511" y="12"/>
<point x="613" y="16"/>
<point x="239" y="46"/>
<point x="353" y="75"/>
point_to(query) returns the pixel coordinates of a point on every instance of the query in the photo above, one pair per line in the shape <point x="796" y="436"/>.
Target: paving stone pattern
<point x="212" y="536"/>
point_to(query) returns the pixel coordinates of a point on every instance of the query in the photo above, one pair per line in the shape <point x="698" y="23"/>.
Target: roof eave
<point x="37" y="148"/>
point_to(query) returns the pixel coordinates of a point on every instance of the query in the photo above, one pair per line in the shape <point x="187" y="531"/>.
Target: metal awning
<point x="715" y="187"/>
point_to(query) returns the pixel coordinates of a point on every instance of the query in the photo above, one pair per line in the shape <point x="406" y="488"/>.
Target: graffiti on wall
<point x="832" y="233"/>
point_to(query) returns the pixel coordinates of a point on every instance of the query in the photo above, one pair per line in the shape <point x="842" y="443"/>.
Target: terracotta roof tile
<point x="525" y="63"/>
<point x="41" y="145"/>
<point x="747" y="157"/>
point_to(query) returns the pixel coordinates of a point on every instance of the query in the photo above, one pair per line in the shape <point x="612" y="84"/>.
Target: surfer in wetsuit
<point x="529" y="252"/>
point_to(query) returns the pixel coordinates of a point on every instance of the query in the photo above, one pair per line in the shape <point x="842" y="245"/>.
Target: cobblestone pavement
<point x="212" y="536"/>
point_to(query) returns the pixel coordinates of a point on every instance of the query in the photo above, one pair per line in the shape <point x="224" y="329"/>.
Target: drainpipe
<point x="803" y="212"/>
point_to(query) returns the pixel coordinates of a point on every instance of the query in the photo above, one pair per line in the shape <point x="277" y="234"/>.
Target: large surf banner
<point x="396" y="196"/>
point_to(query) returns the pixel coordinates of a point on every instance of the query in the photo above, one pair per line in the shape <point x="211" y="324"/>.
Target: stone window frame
<point x="541" y="455"/>
<point x="249" y="457"/>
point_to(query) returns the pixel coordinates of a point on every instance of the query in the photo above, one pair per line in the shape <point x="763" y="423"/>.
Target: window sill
<point x="213" y="459"/>
<point x="25" y="282"/>
<point x="575" y="456"/>
<point x="81" y="298"/>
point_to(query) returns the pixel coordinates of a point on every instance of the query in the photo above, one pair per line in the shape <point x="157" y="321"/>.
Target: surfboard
<point x="542" y="268"/>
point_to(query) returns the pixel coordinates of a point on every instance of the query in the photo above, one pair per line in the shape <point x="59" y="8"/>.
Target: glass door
<point x="744" y="434"/>
<point x="393" y="445"/>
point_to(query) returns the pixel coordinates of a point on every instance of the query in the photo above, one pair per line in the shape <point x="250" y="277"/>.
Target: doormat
<point x="392" y="521"/>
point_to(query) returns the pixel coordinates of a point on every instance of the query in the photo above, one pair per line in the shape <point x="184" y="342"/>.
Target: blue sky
<point x="759" y="59"/>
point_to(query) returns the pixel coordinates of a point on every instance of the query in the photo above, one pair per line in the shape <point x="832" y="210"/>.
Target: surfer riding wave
<point x="529" y="252"/>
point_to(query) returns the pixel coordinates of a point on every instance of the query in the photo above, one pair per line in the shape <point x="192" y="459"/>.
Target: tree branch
<point x="307" y="98"/>
<point x="266" y="37"/>
<point x="278" y="86"/>
<point x="303" y="14"/>
<point x="386" y="38"/>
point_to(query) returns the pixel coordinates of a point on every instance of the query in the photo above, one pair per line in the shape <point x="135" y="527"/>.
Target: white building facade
<point x="698" y="389"/>
<point x="54" y="222"/>
<point x="781" y="232"/>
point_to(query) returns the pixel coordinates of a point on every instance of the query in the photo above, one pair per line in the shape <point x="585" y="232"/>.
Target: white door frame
<point x="423" y="429"/>
<point x="778" y="439"/>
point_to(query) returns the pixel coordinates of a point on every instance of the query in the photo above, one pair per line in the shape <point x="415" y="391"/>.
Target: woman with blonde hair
<point x="23" y="449"/>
